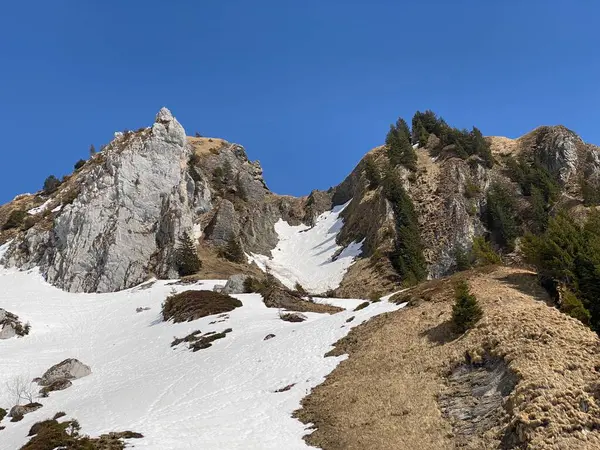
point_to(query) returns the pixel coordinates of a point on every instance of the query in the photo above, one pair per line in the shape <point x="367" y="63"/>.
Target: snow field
<point x="307" y="255"/>
<point x="218" y="398"/>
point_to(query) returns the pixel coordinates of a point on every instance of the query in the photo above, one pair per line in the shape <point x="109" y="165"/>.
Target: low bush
<point x="79" y="164"/>
<point x="363" y="305"/>
<point x="15" y="219"/>
<point x="375" y="296"/>
<point x="300" y="290"/>
<point x="292" y="317"/>
<point x="30" y="221"/>
<point x="207" y="340"/>
<point x="233" y="251"/>
<point x="3" y="413"/>
<point x="192" y="305"/>
<point x="462" y="258"/>
<point x="574" y="307"/>
<point x="483" y="253"/>
<point x="254" y="285"/>
<point x="51" y="434"/>
<point x="471" y="189"/>
<point x="70" y="196"/>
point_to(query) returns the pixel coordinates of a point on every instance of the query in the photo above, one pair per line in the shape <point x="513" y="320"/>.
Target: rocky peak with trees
<point x="429" y="202"/>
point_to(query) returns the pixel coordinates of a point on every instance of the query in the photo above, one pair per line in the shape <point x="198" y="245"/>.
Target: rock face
<point x="69" y="369"/>
<point x="132" y="207"/>
<point x="118" y="220"/>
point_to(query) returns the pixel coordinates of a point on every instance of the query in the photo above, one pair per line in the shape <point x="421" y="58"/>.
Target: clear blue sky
<point x="307" y="86"/>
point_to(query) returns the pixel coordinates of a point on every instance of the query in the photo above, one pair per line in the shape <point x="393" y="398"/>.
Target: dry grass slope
<point x="407" y="369"/>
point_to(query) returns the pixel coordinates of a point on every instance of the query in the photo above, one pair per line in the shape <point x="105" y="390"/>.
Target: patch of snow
<point x="222" y="397"/>
<point x="415" y="146"/>
<point x="387" y="297"/>
<point x="4" y="248"/>
<point x="346" y="303"/>
<point x="197" y="231"/>
<point x="307" y="255"/>
<point x="39" y="209"/>
<point x="57" y="209"/>
<point x="25" y="194"/>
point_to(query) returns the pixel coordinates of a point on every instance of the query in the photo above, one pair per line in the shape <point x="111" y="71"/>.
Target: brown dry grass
<point x="385" y="395"/>
<point x="191" y="305"/>
<point x="503" y="146"/>
<point x="280" y="297"/>
<point x="215" y="268"/>
<point x="365" y="277"/>
<point x="204" y="145"/>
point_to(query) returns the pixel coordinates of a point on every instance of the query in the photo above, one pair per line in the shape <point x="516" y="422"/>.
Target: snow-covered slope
<point x="217" y="398"/>
<point x="310" y="255"/>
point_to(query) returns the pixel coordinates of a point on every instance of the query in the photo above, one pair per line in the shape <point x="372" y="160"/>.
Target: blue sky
<point x="307" y="87"/>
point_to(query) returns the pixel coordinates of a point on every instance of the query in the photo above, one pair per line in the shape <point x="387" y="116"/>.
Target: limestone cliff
<point x="117" y="220"/>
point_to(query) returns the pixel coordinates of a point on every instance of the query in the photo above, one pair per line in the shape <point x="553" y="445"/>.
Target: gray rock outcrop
<point x="235" y="284"/>
<point x="11" y="326"/>
<point x="69" y="369"/>
<point x="18" y="411"/>
<point x="134" y="204"/>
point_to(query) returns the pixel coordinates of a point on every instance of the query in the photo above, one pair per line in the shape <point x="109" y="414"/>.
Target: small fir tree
<point x="186" y="257"/>
<point x="51" y="184"/>
<point x="466" y="311"/>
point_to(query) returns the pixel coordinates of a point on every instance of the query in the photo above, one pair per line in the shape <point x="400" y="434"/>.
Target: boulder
<point x="235" y="284"/>
<point x="10" y="325"/>
<point x="7" y="331"/>
<point x="69" y="369"/>
<point x="18" y="411"/>
<point x="58" y="385"/>
<point x="293" y="317"/>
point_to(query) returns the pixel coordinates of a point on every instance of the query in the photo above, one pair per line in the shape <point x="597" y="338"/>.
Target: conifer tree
<point x="466" y="311"/>
<point x="186" y="256"/>
<point x="51" y="184"/>
<point x="92" y="150"/>
<point x="501" y="216"/>
<point x="407" y="257"/>
<point x="399" y="148"/>
<point x="372" y="173"/>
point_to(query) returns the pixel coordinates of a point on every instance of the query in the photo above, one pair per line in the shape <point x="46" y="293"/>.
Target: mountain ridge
<point x="209" y="188"/>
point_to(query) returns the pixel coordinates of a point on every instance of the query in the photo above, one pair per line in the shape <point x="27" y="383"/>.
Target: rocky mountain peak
<point x="167" y="128"/>
<point x="164" y="115"/>
<point x="118" y="219"/>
